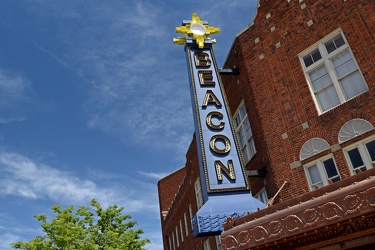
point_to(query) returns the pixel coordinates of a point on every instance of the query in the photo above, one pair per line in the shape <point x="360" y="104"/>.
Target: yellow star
<point x="196" y="30"/>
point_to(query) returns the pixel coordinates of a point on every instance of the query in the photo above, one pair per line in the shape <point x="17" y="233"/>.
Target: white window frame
<point x="198" y="193"/>
<point x="178" y="242"/>
<point x="368" y="164"/>
<point x="186" y="226"/>
<point x="247" y="145"/>
<point x="262" y="196"/>
<point x="324" y="179"/>
<point x="181" y="232"/>
<point x="191" y="216"/>
<point x="326" y="60"/>
<point x="218" y="242"/>
<point x="170" y="242"/>
<point x="174" y="246"/>
<point x="206" y="245"/>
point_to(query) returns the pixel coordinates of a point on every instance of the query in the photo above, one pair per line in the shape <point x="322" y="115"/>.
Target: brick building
<point x="304" y="112"/>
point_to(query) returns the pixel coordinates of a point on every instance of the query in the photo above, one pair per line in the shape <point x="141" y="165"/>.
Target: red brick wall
<point x="274" y="87"/>
<point x="168" y="187"/>
<point x="182" y="197"/>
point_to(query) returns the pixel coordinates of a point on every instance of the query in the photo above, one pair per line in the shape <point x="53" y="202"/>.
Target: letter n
<point x="229" y="171"/>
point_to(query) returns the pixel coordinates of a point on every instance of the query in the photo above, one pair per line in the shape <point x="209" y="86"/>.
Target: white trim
<point x="324" y="179"/>
<point x="312" y="147"/>
<point x="368" y="164"/>
<point x="354" y="128"/>
<point x="249" y="145"/>
<point x="325" y="63"/>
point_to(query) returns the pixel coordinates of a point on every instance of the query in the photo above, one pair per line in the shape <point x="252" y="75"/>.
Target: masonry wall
<point x="183" y="197"/>
<point x="167" y="189"/>
<point x="272" y="84"/>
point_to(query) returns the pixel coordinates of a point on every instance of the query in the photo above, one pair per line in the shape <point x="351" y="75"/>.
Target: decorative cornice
<point x="345" y="211"/>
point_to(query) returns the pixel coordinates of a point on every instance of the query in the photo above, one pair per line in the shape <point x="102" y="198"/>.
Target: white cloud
<point x="113" y="58"/>
<point x="13" y="87"/>
<point x="23" y="177"/>
<point x="15" y="90"/>
<point x="136" y="78"/>
<point x="6" y="239"/>
<point x="11" y="118"/>
<point x="156" y="176"/>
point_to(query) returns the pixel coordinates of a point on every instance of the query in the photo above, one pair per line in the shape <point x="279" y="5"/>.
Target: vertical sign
<point x="216" y="142"/>
<point x="225" y="186"/>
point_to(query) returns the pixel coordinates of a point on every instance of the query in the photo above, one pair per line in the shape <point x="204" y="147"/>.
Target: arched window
<point x="354" y="128"/>
<point x="312" y="147"/>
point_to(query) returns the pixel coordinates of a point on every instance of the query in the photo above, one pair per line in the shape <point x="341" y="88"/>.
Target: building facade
<point x="304" y="110"/>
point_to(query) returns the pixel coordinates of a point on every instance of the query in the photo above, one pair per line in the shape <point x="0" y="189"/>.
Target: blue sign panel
<point x="217" y="144"/>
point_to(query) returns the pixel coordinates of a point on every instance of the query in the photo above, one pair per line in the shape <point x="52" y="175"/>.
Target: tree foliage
<point x="87" y="228"/>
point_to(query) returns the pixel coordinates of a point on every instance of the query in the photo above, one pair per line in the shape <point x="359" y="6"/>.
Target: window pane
<point x="339" y="41"/>
<point x="244" y="133"/>
<point x="330" y="168"/>
<point x="314" y="174"/>
<point x="334" y="43"/>
<point x="249" y="133"/>
<point x="320" y="78"/>
<point x="308" y="60"/>
<point x="252" y="149"/>
<point x="348" y="86"/>
<point x="316" y="55"/>
<point x="330" y="46"/>
<point x="353" y="85"/>
<point x="371" y="149"/>
<point x="359" y="83"/>
<point x="312" y="57"/>
<point x="328" y="98"/>
<point x="245" y="155"/>
<point x="238" y="120"/>
<point x="314" y="75"/>
<point x="337" y="178"/>
<point x="241" y="137"/>
<point x="343" y="64"/>
<point x="243" y="112"/>
<point x="355" y="158"/>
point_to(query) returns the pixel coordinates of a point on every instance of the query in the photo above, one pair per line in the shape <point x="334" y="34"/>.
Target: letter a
<point x="210" y="98"/>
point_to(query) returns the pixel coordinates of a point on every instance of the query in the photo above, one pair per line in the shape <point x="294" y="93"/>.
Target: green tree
<point x="87" y="228"/>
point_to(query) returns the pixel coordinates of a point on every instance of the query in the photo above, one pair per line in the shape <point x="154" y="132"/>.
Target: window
<point x="191" y="216"/>
<point x="198" y="193"/>
<point x="206" y="245"/>
<point x="244" y="133"/>
<point x="218" y="242"/>
<point x="178" y="243"/>
<point x="186" y="225"/>
<point x="174" y="246"/>
<point x="312" y="147"/>
<point x="361" y="156"/>
<point x="181" y="231"/>
<point x="354" y="128"/>
<point x="332" y="72"/>
<point x="322" y="172"/>
<point x="262" y="196"/>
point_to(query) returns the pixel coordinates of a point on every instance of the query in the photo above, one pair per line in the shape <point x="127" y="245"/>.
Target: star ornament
<point x="196" y="30"/>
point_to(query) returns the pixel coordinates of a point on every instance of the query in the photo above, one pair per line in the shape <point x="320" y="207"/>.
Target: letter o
<point x="225" y="150"/>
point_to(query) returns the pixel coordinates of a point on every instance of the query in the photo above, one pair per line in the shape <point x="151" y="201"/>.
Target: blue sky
<point x="95" y="103"/>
